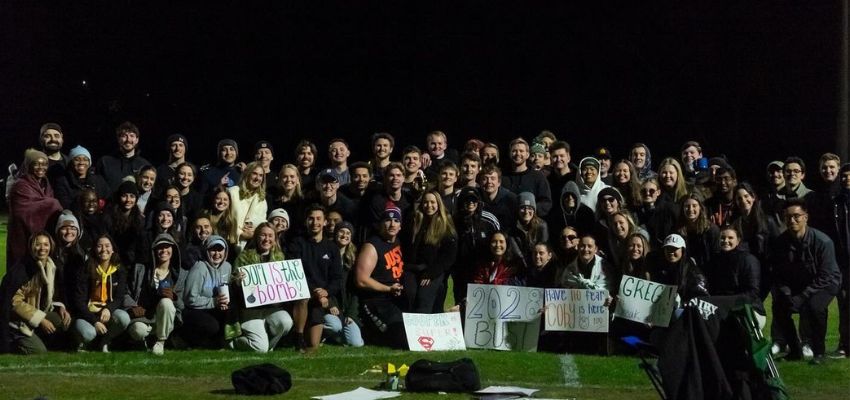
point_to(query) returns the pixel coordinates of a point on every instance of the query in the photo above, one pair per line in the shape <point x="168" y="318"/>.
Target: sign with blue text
<point x="503" y="317"/>
<point x="578" y="310"/>
<point x="273" y="282"/>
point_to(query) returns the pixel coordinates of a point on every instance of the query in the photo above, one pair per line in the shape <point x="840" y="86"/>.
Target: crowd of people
<point x="118" y="252"/>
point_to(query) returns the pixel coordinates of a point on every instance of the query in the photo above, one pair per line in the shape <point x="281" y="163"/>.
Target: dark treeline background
<point x="754" y="80"/>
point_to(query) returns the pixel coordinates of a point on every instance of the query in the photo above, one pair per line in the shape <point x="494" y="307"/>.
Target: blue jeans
<point x="84" y="332"/>
<point x="347" y="333"/>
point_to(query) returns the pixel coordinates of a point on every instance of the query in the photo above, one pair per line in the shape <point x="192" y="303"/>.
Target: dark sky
<point x="753" y="81"/>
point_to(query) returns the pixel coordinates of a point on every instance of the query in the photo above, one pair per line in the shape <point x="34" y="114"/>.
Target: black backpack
<point x="264" y="379"/>
<point x="452" y="376"/>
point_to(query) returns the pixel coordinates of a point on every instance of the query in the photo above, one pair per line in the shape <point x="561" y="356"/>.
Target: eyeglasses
<point x="569" y="237"/>
<point x="648" y="191"/>
<point x="793" y="171"/>
<point x="795" y="217"/>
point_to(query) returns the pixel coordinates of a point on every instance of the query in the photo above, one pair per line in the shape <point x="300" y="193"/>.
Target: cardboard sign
<point x="502" y="317"/>
<point x="434" y="332"/>
<point x="273" y="282"/>
<point x="645" y="301"/>
<point x="579" y="310"/>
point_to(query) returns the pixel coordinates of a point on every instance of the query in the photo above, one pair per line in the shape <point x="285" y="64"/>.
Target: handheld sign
<point x="502" y="317"/>
<point x="645" y="301"/>
<point x="273" y="282"/>
<point x="579" y="310"/>
<point x="434" y="332"/>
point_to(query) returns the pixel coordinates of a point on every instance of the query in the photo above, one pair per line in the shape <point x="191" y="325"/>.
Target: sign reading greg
<point x="645" y="301"/>
<point x="273" y="282"/>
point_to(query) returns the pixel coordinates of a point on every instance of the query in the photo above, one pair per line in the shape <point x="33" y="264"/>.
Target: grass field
<point x="206" y="374"/>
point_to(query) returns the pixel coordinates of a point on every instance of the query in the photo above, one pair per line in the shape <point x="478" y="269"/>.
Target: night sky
<point x="754" y="81"/>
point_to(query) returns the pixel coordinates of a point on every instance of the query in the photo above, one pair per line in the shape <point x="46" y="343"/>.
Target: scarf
<point x="102" y="293"/>
<point x="47" y="274"/>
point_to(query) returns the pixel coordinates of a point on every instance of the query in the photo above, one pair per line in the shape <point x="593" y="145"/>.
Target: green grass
<point x="206" y="374"/>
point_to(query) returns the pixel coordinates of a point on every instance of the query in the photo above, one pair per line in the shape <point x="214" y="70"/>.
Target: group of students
<point x="151" y="255"/>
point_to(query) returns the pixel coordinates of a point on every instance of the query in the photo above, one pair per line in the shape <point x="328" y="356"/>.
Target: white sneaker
<point x="158" y="348"/>
<point x="808" y="354"/>
<point x="776" y="349"/>
<point x="105" y="348"/>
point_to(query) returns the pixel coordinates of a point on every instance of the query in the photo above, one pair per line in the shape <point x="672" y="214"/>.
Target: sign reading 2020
<point x="502" y="317"/>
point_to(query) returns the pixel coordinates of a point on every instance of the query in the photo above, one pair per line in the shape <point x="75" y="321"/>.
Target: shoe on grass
<point x="104" y="349"/>
<point x="819" y="359"/>
<point x="808" y="354"/>
<point x="158" y="348"/>
<point x="776" y="349"/>
<point x="839" y="353"/>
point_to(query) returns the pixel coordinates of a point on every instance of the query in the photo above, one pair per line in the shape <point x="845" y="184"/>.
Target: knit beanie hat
<point x="67" y="218"/>
<point x="79" y="151"/>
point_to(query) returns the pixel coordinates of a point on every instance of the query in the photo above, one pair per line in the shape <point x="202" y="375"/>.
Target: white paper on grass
<point x="507" y="390"/>
<point x="434" y="332"/>
<point x="273" y="282"/>
<point x="645" y="301"/>
<point x="502" y="317"/>
<point x="360" y="393"/>
<point x="578" y="310"/>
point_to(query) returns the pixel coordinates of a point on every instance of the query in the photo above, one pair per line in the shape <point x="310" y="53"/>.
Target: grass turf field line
<point x="570" y="371"/>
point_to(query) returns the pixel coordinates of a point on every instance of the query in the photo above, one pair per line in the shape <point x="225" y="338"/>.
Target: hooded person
<point x="570" y="211"/>
<point x="589" y="182"/>
<point x="68" y="254"/>
<point x="151" y="299"/>
<point x="473" y="226"/>
<point x="31" y="205"/>
<point x="206" y="296"/>
<point x="227" y="171"/>
<point x="645" y="171"/>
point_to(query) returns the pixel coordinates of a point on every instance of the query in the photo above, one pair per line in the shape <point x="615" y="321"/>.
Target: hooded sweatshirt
<point x="142" y="285"/>
<point x="589" y="193"/>
<point x="204" y="279"/>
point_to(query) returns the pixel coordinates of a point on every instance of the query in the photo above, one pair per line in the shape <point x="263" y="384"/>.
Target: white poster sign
<point x="503" y="317"/>
<point x="273" y="282"/>
<point x="580" y="310"/>
<point x="434" y="332"/>
<point x="645" y="301"/>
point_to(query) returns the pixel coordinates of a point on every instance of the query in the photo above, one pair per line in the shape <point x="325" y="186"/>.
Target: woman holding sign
<point x="379" y="271"/>
<point x="588" y="271"/>
<point x="263" y="326"/>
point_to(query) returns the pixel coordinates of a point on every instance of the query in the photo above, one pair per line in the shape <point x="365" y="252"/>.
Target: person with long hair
<point x="125" y="224"/>
<point x="248" y="204"/>
<point x="164" y="221"/>
<point x="289" y="195"/>
<point x="673" y="266"/>
<point x="566" y="248"/>
<point x="530" y="229"/>
<point x="262" y="327"/>
<point x="621" y="226"/>
<point x="502" y="266"/>
<point x="673" y="187"/>
<point x="430" y="254"/>
<point x="750" y="220"/>
<point x="734" y="271"/>
<point x="221" y="216"/>
<point x="192" y="201"/>
<point x="702" y="236"/>
<point x="344" y="327"/>
<point x="99" y="296"/>
<point x="151" y="299"/>
<point x="35" y="316"/>
<point x="68" y="255"/>
<point x="656" y="215"/>
<point x="147" y="184"/>
<point x="633" y="256"/>
<point x="541" y="273"/>
<point x="589" y="270"/>
<point x="626" y="181"/>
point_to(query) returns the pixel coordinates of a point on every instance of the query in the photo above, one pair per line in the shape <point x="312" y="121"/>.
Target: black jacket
<point x="805" y="266"/>
<point x="113" y="168"/>
<point x="322" y="263"/>
<point x="85" y="281"/>
<point x="736" y="273"/>
<point x="685" y="274"/>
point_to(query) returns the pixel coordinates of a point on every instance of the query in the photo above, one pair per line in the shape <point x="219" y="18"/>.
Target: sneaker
<point x="840" y="353"/>
<point x="105" y="348"/>
<point x="808" y="354"/>
<point x="81" y="348"/>
<point x="158" y="348"/>
<point x="777" y="348"/>
<point x="819" y="359"/>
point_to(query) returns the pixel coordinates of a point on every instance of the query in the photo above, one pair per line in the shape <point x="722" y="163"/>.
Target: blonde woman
<point x="249" y="205"/>
<point x="431" y="252"/>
